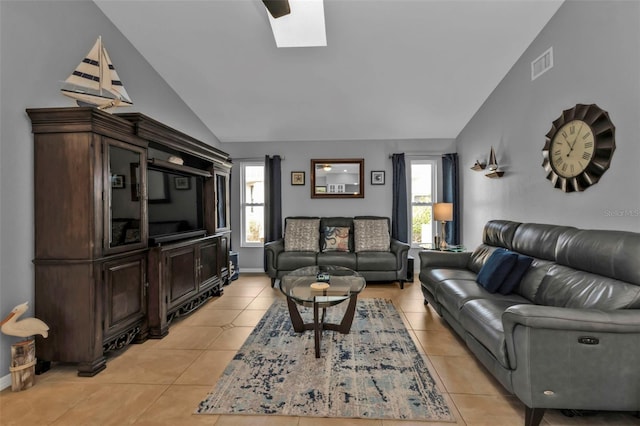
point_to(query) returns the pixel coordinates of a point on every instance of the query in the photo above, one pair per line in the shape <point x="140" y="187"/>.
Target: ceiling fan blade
<point x="277" y="8"/>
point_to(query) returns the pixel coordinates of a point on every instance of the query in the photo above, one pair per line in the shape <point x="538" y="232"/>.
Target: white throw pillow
<point x="371" y="235"/>
<point x="302" y="235"/>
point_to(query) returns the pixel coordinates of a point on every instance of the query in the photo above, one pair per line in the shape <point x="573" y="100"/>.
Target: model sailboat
<point x="493" y="166"/>
<point x="95" y="81"/>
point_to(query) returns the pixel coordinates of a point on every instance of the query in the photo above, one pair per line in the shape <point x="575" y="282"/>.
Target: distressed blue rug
<point x="374" y="372"/>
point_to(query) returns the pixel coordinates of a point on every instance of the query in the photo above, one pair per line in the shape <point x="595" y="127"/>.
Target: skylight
<point x="303" y="27"/>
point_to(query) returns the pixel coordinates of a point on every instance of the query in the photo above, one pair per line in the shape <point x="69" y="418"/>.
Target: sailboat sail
<point x="493" y="163"/>
<point x="95" y="81"/>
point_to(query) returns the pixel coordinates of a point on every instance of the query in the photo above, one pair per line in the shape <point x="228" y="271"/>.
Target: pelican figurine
<point x="25" y="328"/>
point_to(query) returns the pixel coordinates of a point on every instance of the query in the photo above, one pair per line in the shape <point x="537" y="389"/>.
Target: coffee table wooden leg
<point x="347" y="320"/>
<point x="296" y="319"/>
<point x="317" y="328"/>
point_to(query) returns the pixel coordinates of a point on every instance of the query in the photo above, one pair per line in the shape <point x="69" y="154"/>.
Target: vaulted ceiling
<point x="392" y="69"/>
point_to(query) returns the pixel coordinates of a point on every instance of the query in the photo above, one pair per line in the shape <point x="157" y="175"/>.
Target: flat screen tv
<point x="175" y="205"/>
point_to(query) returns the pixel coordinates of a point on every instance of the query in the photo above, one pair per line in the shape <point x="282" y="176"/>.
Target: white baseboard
<point x="5" y="382"/>
<point x="252" y="270"/>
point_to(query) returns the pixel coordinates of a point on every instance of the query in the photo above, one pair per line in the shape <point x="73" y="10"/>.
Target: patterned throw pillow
<point x="302" y="235"/>
<point x="336" y="238"/>
<point x="371" y="235"/>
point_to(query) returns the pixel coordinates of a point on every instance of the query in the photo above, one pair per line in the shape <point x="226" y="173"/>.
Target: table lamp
<point x="443" y="212"/>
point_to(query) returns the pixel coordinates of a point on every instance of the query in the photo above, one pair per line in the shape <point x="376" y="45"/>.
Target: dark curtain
<point x="272" y="200"/>
<point x="451" y="194"/>
<point x="399" y="219"/>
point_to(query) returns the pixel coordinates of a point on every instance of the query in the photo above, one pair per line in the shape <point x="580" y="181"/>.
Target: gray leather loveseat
<point x="361" y="243"/>
<point x="568" y="335"/>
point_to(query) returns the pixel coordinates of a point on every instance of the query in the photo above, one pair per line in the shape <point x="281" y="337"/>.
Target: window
<point x="423" y="178"/>
<point x="252" y="206"/>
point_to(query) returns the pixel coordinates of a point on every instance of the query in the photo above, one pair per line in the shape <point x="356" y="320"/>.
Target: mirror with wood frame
<point x="337" y="178"/>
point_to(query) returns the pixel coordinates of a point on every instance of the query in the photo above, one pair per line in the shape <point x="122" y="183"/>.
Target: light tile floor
<point x="161" y="382"/>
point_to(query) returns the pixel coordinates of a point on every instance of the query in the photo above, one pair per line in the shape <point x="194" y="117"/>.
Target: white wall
<point x="297" y="201"/>
<point x="41" y="44"/>
<point x="596" y="46"/>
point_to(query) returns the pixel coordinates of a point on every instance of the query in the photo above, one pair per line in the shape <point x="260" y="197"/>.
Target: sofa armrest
<point x="574" y="358"/>
<point x="443" y="259"/>
<point x="272" y="250"/>
<point x="401" y="250"/>
<point x="545" y="324"/>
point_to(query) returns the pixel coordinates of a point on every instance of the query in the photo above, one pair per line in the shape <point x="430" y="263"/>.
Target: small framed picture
<point x="182" y="183"/>
<point x="377" y="177"/>
<point x="117" y="181"/>
<point x="297" y="178"/>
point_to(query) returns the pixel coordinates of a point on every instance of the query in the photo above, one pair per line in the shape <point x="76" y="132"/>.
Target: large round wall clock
<point x="578" y="148"/>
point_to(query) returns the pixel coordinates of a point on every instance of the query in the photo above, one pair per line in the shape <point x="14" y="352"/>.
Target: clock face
<point x="572" y="149"/>
<point x="578" y="148"/>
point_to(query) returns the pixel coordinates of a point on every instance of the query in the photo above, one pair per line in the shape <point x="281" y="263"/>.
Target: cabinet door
<point x="124" y="196"/>
<point x="223" y="257"/>
<point x="180" y="278"/>
<point x="208" y="266"/>
<point x="124" y="299"/>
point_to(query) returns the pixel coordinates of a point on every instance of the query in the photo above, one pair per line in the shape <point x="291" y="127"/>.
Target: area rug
<point x="373" y="372"/>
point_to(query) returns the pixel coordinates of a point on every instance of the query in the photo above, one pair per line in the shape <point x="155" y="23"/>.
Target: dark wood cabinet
<point x="119" y="251"/>
<point x="188" y="274"/>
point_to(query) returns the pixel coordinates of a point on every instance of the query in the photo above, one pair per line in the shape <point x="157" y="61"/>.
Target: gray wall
<point x="596" y="46"/>
<point x="41" y="44"/>
<point x="597" y="60"/>
<point x="296" y="200"/>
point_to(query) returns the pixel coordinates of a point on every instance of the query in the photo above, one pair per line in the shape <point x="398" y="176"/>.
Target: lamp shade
<point x="443" y="212"/>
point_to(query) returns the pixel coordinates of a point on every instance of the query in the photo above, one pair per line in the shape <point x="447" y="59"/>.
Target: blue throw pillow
<point x="515" y="275"/>
<point x="496" y="268"/>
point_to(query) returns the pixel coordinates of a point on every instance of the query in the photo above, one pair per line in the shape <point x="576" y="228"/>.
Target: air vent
<point x="542" y="64"/>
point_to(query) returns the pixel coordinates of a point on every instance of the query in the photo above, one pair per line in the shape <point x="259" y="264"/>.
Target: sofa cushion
<point x="530" y="283"/>
<point x="302" y="235"/>
<point x="453" y="294"/>
<point x="436" y="275"/>
<point x="335" y="238"/>
<point x="371" y="235"/>
<point x="482" y="318"/>
<point x="613" y="254"/>
<point x="495" y="270"/>
<point x="338" y="258"/>
<point x="538" y="240"/>
<point x="377" y="261"/>
<point x="291" y="260"/>
<point x="515" y="275"/>
<point x="479" y="257"/>
<point x="499" y="233"/>
<point x="571" y="288"/>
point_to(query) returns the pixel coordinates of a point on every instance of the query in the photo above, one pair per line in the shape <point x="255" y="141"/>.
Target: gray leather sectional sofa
<point x="389" y="264"/>
<point x="568" y="336"/>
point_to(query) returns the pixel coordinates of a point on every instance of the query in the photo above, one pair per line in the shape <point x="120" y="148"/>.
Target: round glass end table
<point x="321" y="287"/>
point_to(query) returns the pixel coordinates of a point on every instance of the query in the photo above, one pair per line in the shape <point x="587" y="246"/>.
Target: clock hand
<point x="574" y="140"/>
<point x="577" y="134"/>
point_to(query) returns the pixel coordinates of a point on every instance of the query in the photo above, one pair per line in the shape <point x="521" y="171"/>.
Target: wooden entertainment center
<point x="131" y="230"/>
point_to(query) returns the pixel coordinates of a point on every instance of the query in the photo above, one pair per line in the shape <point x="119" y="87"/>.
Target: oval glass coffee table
<point x="308" y="287"/>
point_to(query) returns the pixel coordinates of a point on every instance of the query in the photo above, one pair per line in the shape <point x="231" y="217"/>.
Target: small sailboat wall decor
<point x="95" y="81"/>
<point x="493" y="166"/>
